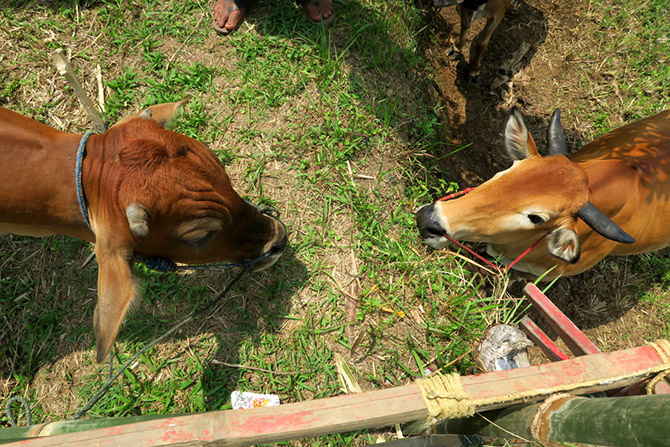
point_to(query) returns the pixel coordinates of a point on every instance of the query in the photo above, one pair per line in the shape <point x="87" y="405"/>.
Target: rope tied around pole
<point x="662" y="347"/>
<point x="445" y="397"/>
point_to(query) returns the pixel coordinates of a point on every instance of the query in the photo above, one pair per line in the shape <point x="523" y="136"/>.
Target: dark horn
<point x="602" y="224"/>
<point x="555" y="136"/>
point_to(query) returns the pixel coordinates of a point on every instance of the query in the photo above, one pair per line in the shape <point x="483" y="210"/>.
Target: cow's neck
<point x="38" y="190"/>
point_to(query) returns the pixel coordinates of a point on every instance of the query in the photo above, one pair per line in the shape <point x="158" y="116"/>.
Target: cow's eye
<point x="198" y="232"/>
<point x="199" y="240"/>
<point x="536" y="220"/>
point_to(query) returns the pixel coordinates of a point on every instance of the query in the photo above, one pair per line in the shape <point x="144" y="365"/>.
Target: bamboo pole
<point x="70" y="426"/>
<point x="631" y="421"/>
<point x="488" y="391"/>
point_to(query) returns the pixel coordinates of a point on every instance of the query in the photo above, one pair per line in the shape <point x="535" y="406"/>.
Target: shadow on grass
<point x="397" y="82"/>
<point x="45" y="317"/>
<point x="252" y="311"/>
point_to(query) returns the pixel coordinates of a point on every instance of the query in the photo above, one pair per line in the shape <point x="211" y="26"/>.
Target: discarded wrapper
<point x="245" y="400"/>
<point x="503" y="347"/>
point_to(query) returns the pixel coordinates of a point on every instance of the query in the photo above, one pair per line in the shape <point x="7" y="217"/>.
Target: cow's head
<point x="157" y="193"/>
<point x="536" y="196"/>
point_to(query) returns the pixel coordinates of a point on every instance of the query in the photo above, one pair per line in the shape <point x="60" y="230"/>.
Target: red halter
<point x="475" y="254"/>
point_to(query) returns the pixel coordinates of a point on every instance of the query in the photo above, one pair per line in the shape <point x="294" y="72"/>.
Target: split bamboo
<point x="632" y="421"/>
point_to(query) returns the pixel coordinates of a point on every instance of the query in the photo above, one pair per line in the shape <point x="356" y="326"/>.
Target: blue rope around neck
<point x="81" y="197"/>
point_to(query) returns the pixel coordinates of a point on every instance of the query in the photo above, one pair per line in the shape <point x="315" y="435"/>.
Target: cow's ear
<point x="161" y="113"/>
<point x="116" y="289"/>
<point x="564" y="244"/>
<point x="519" y="143"/>
<point x="138" y="219"/>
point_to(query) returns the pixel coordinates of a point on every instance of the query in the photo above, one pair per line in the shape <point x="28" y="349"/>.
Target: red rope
<point x="477" y="255"/>
<point x="456" y="194"/>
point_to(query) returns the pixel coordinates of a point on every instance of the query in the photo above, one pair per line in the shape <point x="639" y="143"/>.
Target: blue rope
<point x="164" y="265"/>
<point x="81" y="197"/>
<point x="26" y="408"/>
<point x="157" y="264"/>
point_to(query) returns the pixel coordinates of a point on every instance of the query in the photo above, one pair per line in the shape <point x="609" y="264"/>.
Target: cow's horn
<point x="146" y="114"/>
<point x="555" y="136"/>
<point x="602" y="224"/>
<point x="138" y="219"/>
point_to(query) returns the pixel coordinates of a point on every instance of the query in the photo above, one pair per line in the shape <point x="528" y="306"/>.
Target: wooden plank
<point x="575" y="339"/>
<point x="564" y="376"/>
<point x="553" y="352"/>
<point x="499" y="389"/>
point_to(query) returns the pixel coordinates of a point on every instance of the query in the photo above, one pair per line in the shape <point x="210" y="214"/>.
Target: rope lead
<point x="26" y="408"/>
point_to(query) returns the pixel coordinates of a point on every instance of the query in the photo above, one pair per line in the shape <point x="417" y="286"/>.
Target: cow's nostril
<point x="433" y="231"/>
<point x="425" y="222"/>
<point x="280" y="246"/>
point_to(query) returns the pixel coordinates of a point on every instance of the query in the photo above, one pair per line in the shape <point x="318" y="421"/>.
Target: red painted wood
<point x="542" y="340"/>
<point x="367" y="410"/>
<point x="575" y="339"/>
<point x="662" y="387"/>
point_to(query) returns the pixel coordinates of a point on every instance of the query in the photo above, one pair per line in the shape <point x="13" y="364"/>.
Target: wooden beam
<point x="553" y="352"/>
<point x="577" y="342"/>
<point x="499" y="389"/>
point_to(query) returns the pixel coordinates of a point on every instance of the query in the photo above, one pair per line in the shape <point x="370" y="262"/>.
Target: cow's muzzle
<point x="429" y="229"/>
<point x="275" y="249"/>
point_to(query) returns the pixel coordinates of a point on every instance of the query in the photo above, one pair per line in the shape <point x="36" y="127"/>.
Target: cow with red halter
<point x="471" y="10"/>
<point x="138" y="191"/>
<point x="611" y="197"/>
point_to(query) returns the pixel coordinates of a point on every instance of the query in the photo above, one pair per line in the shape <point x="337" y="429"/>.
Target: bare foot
<point x="317" y="10"/>
<point x="227" y="17"/>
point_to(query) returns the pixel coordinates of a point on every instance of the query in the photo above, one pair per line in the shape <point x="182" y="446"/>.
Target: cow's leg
<point x="116" y="290"/>
<point x="466" y="20"/>
<point x="479" y="45"/>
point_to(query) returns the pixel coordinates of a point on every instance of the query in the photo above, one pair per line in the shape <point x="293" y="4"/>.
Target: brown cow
<point x="625" y="174"/>
<point x="150" y="192"/>
<point x="470" y="10"/>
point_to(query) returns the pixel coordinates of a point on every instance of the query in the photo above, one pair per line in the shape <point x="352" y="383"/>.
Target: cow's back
<point x="631" y="165"/>
<point x="37" y="165"/>
<point x="640" y="142"/>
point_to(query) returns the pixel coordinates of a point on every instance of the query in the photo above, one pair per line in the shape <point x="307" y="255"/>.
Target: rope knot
<point x="445" y="397"/>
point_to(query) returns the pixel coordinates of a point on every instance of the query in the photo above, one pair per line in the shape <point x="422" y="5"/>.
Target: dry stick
<point x="101" y="89"/>
<point x="174" y="55"/>
<point x="65" y="69"/>
<point x="88" y="260"/>
<point x="352" y="305"/>
<point x="251" y="368"/>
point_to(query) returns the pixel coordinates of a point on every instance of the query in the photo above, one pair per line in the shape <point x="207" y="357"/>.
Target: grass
<point x="335" y="127"/>
<point x="633" y="49"/>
